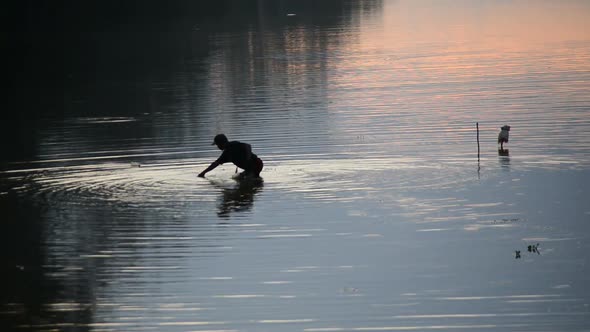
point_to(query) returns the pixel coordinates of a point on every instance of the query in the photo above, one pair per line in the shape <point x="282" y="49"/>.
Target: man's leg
<point x="258" y="165"/>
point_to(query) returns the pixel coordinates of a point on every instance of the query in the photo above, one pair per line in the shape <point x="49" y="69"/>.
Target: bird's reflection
<point x="238" y="197"/>
<point x="504" y="155"/>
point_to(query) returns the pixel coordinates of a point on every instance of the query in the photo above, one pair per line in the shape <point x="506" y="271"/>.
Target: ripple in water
<point x="176" y="180"/>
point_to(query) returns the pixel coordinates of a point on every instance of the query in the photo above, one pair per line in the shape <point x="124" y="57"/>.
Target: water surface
<point x="375" y="213"/>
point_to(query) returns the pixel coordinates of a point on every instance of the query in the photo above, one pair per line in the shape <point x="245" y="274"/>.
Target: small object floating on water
<point x="135" y="164"/>
<point x="504" y="153"/>
<point x="517" y="254"/>
<point x="503" y="136"/>
<point x="291" y="14"/>
<point x="349" y="290"/>
<point x="534" y="248"/>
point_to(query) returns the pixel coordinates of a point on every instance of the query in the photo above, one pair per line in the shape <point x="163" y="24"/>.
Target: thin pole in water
<point x="478" y="167"/>
<point x="477" y="128"/>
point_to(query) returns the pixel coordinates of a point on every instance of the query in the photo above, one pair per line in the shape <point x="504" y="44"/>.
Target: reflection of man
<point x="240" y="154"/>
<point x="239" y="198"/>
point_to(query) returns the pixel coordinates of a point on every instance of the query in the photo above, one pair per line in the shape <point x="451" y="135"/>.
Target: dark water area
<point x="109" y="55"/>
<point x="376" y="211"/>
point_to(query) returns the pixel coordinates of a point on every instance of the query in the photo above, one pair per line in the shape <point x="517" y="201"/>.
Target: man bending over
<point x="240" y="154"/>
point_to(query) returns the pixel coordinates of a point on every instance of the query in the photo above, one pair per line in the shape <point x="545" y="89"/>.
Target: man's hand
<point x="210" y="168"/>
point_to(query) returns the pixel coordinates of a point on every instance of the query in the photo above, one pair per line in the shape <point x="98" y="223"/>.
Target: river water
<point x="376" y="212"/>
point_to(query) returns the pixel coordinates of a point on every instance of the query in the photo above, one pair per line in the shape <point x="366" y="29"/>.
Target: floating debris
<point x="534" y="248"/>
<point x="349" y="290"/>
<point x="506" y="220"/>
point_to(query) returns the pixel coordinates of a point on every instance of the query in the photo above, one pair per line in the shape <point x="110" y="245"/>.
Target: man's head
<point x="220" y="140"/>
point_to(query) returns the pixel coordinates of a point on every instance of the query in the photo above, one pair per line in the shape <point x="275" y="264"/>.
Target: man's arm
<point x="210" y="168"/>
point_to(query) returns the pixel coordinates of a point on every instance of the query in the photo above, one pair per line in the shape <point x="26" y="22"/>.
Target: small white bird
<point x="503" y="136"/>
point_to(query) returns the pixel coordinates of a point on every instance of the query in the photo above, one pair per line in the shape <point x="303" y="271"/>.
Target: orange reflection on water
<point x="430" y="42"/>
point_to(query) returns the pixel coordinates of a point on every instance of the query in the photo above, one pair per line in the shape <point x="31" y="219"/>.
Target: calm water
<point x="375" y="213"/>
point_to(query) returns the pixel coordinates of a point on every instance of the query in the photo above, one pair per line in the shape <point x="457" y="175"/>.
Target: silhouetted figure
<point x="503" y="136"/>
<point x="240" y="154"/>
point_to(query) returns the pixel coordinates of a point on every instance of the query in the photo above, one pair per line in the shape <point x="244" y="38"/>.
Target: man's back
<point x="238" y="153"/>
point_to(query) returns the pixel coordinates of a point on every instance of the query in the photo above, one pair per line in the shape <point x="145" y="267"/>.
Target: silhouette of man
<point x="240" y="154"/>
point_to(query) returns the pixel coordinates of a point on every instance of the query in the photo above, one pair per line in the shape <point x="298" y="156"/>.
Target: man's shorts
<point x="258" y="165"/>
